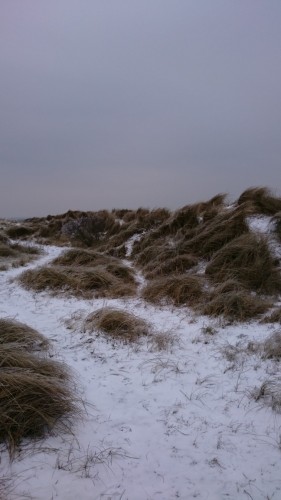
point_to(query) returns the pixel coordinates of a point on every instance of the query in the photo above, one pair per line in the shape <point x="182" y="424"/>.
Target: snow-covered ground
<point x="178" y="423"/>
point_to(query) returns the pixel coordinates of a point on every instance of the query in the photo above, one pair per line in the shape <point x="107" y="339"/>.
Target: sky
<point x="128" y="103"/>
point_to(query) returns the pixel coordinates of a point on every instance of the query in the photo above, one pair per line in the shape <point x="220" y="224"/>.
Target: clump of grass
<point x="116" y="323"/>
<point x="32" y="404"/>
<point x="7" y="251"/>
<point x="14" y="332"/>
<point x="26" y="249"/>
<point x="277" y="223"/>
<point x="274" y="317"/>
<point x="215" y="234"/>
<point x="81" y="257"/>
<point x="269" y="393"/>
<point x="46" y="278"/>
<point x="248" y="260"/>
<point x="261" y="199"/>
<point x="121" y="271"/>
<point x="176" y="289"/>
<point x="79" y="281"/>
<point x="272" y="346"/>
<point x="153" y="252"/>
<point x="175" y="265"/>
<point x="236" y="305"/>
<point x="19" y="231"/>
<point x="12" y="356"/>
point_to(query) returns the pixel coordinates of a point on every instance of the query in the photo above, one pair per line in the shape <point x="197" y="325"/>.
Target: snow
<point x="178" y="423"/>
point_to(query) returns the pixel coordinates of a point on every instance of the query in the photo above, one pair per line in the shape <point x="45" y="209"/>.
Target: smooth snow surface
<point x="178" y="423"/>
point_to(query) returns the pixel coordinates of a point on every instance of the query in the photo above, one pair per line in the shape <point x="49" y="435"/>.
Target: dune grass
<point x="248" y="260"/>
<point x="175" y="265"/>
<point x="80" y="281"/>
<point x="261" y="199"/>
<point x="81" y="257"/>
<point x="14" y="332"/>
<point x="35" y="391"/>
<point x="175" y="289"/>
<point x="14" y="356"/>
<point x="272" y="346"/>
<point x="274" y="317"/>
<point x="269" y="393"/>
<point x="233" y="305"/>
<point x="116" y="323"/>
<point x="32" y="404"/>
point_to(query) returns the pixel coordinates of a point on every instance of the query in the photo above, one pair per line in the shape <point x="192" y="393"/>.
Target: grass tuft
<point x="248" y="260"/>
<point x="31" y="404"/>
<point x="272" y="346"/>
<point x="177" y="289"/>
<point x="14" y="332"/>
<point x="234" y="305"/>
<point x="116" y="323"/>
<point x="261" y="199"/>
<point x="80" y="281"/>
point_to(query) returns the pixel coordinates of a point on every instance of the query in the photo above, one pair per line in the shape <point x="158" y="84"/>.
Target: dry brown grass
<point x="79" y="281"/>
<point x="118" y="324"/>
<point x="274" y="317"/>
<point x="269" y="394"/>
<point x="14" y="332"/>
<point x="32" y="404"/>
<point x="47" y="278"/>
<point x="236" y="305"/>
<point x="12" y="356"/>
<point x="176" y="289"/>
<point x="176" y="265"/>
<point x="248" y="260"/>
<point x="272" y="346"/>
<point x="151" y="252"/>
<point x="19" y="231"/>
<point x="277" y="223"/>
<point x="81" y="257"/>
<point x="261" y="199"/>
<point x="215" y="234"/>
<point x="125" y="273"/>
<point x="7" y="251"/>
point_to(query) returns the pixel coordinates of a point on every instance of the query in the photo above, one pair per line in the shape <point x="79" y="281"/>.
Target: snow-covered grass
<point x="192" y="419"/>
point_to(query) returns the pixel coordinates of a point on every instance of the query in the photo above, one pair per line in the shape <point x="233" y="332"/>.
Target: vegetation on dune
<point x="79" y="281"/>
<point x="35" y="392"/>
<point x="248" y="260"/>
<point x="116" y="323"/>
<point x="176" y="289"/>
<point x="208" y="243"/>
<point x="13" y="332"/>
<point x="274" y="317"/>
<point x="277" y="224"/>
<point x="261" y="199"/>
<point x="233" y="305"/>
<point x="32" y="404"/>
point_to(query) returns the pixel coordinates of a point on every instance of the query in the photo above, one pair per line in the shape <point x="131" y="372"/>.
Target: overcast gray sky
<point x="127" y="103"/>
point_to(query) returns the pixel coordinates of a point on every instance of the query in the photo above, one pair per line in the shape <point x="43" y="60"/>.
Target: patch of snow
<point x="157" y="425"/>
